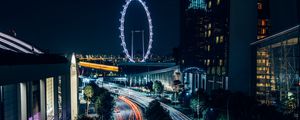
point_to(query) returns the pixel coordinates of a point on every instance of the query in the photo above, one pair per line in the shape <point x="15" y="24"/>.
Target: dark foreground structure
<point x="34" y="85"/>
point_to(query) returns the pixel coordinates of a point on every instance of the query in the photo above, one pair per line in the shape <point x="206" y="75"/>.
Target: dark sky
<point x="283" y="15"/>
<point x="89" y="26"/>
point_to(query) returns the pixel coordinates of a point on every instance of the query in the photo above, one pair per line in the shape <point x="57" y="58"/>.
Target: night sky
<point x="88" y="26"/>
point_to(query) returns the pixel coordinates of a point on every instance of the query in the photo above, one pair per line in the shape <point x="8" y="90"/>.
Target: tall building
<point x="205" y="38"/>
<point x="192" y="42"/>
<point x="217" y="47"/>
<point x="265" y="81"/>
<point x="216" y="37"/>
<point x="193" y="21"/>
<point x="34" y="85"/>
<point x="263" y="19"/>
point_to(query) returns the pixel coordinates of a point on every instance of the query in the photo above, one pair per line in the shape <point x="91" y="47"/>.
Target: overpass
<point x="193" y="78"/>
<point x="141" y="67"/>
<point x="165" y="76"/>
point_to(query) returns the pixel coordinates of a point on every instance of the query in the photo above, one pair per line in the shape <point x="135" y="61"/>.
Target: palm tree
<point x="88" y="93"/>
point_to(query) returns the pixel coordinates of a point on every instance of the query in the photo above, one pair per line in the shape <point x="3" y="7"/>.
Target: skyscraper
<point x="204" y="40"/>
<point x="265" y="81"/>
<point x="193" y="20"/>
<point x="215" y="37"/>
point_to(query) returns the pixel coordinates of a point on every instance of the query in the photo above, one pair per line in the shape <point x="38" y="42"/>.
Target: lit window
<point x="209" y="4"/>
<point x="208" y="48"/>
<point x="209" y="33"/>
<point x="218" y="2"/>
<point x="221" y="39"/>
<point x="209" y="25"/>
<point x="263" y="31"/>
<point x="263" y="22"/>
<point x="221" y="62"/>
<point x="217" y="39"/>
<point x="208" y="62"/>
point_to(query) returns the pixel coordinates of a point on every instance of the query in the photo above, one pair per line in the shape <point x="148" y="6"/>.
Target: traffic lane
<point x="134" y="107"/>
<point x="141" y="98"/>
<point x="122" y="111"/>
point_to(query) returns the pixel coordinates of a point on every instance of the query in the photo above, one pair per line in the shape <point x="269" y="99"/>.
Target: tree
<point x="104" y="105"/>
<point x="149" y="86"/>
<point x="103" y="101"/>
<point x="156" y="112"/>
<point x="195" y="104"/>
<point x="199" y="103"/>
<point x="158" y="87"/>
<point x="88" y="94"/>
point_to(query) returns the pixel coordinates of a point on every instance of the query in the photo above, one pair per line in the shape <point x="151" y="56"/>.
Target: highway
<point x="126" y="110"/>
<point x="141" y="99"/>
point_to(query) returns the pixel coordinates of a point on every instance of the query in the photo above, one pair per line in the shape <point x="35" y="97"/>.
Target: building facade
<point x="218" y="43"/>
<point x="215" y="37"/>
<point x="205" y="39"/>
<point x="271" y="85"/>
<point x="35" y="85"/>
<point x="277" y="69"/>
<point x="262" y="60"/>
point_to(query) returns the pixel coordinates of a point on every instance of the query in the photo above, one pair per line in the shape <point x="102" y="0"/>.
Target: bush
<point x="103" y="101"/>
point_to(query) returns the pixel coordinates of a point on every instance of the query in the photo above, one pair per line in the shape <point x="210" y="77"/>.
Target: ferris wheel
<point x="122" y="35"/>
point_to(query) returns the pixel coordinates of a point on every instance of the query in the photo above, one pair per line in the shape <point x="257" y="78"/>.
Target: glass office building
<point x="277" y="69"/>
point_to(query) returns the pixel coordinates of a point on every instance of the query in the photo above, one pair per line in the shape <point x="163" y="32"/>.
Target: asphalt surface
<point x="141" y="99"/>
<point x="126" y="110"/>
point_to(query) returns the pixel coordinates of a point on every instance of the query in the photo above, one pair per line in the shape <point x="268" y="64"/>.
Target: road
<point x="126" y="110"/>
<point x="142" y="100"/>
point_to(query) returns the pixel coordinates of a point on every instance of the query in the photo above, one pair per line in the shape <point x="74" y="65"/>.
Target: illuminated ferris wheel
<point x="122" y="35"/>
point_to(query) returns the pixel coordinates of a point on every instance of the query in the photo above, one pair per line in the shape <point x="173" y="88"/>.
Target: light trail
<point x="143" y="100"/>
<point x="99" y="66"/>
<point x="133" y="106"/>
